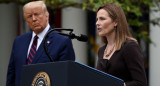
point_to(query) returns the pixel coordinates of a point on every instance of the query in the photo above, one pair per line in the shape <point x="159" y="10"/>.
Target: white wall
<point x="8" y="30"/>
<point x="76" y="19"/>
<point x="154" y="51"/>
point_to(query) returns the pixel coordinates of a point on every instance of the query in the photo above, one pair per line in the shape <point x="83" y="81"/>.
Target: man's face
<point x="36" y="18"/>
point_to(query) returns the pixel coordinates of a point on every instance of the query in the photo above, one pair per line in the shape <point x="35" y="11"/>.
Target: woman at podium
<point x="121" y="55"/>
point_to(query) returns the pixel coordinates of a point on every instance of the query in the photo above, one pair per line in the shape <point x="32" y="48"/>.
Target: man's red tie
<point x="32" y="51"/>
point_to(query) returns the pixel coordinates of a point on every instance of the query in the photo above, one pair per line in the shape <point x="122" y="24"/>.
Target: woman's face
<point x="105" y="25"/>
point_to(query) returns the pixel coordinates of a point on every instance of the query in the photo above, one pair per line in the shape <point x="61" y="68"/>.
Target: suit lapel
<point x="41" y="51"/>
<point x="26" y="45"/>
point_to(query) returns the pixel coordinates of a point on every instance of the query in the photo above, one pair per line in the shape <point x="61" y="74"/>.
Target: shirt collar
<point x="42" y="34"/>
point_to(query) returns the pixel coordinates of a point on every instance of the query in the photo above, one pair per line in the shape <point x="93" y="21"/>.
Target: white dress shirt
<point x="40" y="38"/>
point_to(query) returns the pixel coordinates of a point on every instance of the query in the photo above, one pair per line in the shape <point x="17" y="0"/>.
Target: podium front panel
<point x="69" y="73"/>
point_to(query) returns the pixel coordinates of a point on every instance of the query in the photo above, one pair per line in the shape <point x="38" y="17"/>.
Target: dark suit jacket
<point x="60" y="48"/>
<point x="125" y="63"/>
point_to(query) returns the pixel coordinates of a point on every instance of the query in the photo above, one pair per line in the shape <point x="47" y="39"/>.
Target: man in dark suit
<point x="60" y="47"/>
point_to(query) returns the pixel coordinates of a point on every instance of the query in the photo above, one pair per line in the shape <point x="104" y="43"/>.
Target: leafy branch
<point x="134" y="10"/>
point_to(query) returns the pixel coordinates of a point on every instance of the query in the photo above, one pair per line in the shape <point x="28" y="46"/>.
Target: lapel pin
<point x="48" y="42"/>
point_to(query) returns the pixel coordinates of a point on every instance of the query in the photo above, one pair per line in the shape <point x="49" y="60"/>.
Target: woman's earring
<point x="115" y="27"/>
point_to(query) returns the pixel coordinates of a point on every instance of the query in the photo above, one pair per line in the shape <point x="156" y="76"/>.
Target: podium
<point x="66" y="73"/>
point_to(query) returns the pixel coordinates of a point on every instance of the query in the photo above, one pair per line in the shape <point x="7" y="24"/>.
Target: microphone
<point x="80" y="37"/>
<point x="71" y="35"/>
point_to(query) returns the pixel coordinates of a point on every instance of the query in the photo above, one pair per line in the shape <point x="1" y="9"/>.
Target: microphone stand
<point x="46" y="36"/>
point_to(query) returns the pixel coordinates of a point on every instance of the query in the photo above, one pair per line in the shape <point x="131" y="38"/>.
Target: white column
<point x="154" y="50"/>
<point x="76" y="19"/>
<point x="8" y="30"/>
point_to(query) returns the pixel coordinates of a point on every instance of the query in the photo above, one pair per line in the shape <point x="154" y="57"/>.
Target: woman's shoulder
<point x="130" y="43"/>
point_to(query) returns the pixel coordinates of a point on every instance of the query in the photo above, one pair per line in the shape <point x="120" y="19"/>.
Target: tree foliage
<point x="137" y="11"/>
